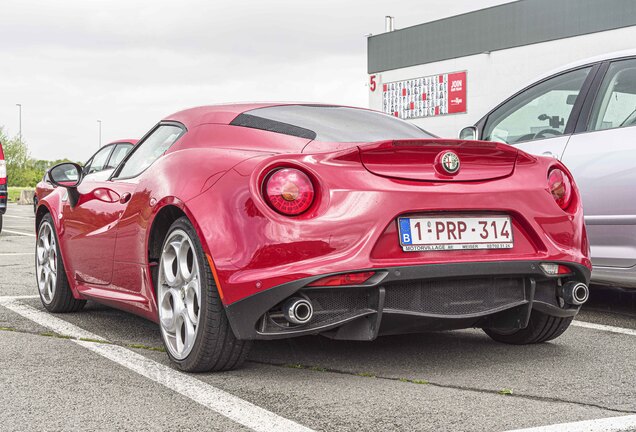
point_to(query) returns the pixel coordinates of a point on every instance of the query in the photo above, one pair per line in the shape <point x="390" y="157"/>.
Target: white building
<point x="447" y="74"/>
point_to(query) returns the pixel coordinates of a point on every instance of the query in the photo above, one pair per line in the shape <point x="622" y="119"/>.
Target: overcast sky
<point x="130" y="63"/>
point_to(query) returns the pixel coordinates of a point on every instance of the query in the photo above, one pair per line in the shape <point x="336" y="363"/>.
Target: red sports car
<point x="104" y="161"/>
<point x="259" y="221"/>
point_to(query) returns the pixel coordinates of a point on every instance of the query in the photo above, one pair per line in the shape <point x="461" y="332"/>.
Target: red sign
<point x="429" y="96"/>
<point x="457" y="92"/>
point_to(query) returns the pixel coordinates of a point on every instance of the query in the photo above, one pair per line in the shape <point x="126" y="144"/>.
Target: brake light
<point x="343" y="279"/>
<point x="289" y="191"/>
<point x="3" y="169"/>
<point x="560" y="187"/>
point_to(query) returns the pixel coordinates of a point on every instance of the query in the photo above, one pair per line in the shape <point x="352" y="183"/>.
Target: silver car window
<point x="615" y="105"/>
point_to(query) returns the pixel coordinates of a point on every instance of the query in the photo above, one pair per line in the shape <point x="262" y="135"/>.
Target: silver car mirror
<point x="469" y="133"/>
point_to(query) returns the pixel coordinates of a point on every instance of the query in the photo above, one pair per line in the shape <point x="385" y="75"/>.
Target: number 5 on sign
<point x="372" y="84"/>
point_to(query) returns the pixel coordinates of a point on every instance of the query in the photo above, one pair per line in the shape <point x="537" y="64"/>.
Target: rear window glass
<point x="330" y="123"/>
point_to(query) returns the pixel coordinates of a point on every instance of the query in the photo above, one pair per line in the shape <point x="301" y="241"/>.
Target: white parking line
<point x="17" y="253"/>
<point x="19" y="217"/>
<point x="220" y="401"/>
<point x="230" y="406"/>
<point x="601" y="327"/>
<point x="47" y="320"/>
<point x="18" y="233"/>
<point x="612" y="424"/>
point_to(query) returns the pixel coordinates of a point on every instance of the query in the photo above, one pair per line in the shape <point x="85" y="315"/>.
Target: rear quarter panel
<point x="190" y="168"/>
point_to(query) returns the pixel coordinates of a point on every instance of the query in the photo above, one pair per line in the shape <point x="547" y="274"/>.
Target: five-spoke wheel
<point x="53" y="286"/>
<point x="46" y="263"/>
<point x="179" y="294"/>
<point x="194" y="327"/>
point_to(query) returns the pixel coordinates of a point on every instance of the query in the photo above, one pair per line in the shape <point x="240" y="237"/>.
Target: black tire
<point x="215" y="347"/>
<point x="62" y="300"/>
<point x="0" y="223"/>
<point x="541" y="328"/>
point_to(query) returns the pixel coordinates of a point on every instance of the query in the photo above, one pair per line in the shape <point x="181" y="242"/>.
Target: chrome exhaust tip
<point x="298" y="310"/>
<point x="575" y="293"/>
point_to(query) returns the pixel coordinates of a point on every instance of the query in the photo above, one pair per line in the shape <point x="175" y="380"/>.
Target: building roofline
<point x="499" y="27"/>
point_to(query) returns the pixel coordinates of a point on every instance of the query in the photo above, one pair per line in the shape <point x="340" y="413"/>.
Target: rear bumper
<point x="3" y="198"/>
<point x="410" y="299"/>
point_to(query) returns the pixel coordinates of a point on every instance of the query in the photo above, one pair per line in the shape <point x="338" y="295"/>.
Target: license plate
<point x="418" y="234"/>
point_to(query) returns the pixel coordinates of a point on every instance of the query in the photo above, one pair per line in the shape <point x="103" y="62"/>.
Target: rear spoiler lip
<point x="386" y="144"/>
<point x="439" y="146"/>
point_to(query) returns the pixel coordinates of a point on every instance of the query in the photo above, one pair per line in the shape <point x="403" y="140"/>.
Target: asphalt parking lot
<point x="101" y="369"/>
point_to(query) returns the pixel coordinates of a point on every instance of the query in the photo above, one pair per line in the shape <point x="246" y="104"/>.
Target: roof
<point x="582" y="62"/>
<point x="595" y="59"/>
<point x="132" y="141"/>
<point x="500" y="27"/>
<point x="224" y="113"/>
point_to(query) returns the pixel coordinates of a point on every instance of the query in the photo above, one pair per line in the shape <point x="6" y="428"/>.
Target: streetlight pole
<point x="19" y="121"/>
<point x="100" y="133"/>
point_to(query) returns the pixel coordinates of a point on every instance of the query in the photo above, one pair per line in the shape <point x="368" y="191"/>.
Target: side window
<point x="615" y="105"/>
<point x="98" y="161"/>
<point x="120" y="152"/>
<point x="542" y="111"/>
<point x="150" y="150"/>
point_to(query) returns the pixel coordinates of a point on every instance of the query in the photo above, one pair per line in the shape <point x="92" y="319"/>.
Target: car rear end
<point x="391" y="237"/>
<point x="3" y="185"/>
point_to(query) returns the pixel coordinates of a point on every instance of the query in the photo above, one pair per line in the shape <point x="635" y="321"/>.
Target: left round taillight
<point x="289" y="191"/>
<point x="560" y="186"/>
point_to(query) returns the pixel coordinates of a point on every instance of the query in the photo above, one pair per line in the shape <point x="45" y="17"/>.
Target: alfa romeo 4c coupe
<point x="231" y="223"/>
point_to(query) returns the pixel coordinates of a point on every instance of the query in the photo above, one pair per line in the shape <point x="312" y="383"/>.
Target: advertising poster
<point x="430" y="96"/>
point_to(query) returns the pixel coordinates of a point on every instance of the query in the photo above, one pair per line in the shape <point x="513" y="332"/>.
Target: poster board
<point x="430" y="96"/>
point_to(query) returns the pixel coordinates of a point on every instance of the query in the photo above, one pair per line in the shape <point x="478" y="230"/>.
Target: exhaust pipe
<point x="298" y="310"/>
<point x="575" y="293"/>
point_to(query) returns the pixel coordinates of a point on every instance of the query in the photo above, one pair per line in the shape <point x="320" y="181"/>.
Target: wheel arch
<point x="42" y="210"/>
<point x="168" y="213"/>
<point x="163" y="219"/>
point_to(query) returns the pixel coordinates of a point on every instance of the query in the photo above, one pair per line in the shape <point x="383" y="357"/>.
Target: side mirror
<point x="67" y="175"/>
<point x="469" y="133"/>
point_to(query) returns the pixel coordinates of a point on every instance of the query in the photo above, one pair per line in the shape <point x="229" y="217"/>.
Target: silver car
<point x="585" y="115"/>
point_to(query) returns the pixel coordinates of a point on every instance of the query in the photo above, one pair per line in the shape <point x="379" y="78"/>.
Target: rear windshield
<point x="330" y="123"/>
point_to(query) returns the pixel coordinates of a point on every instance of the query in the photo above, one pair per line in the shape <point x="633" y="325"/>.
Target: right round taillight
<point x="289" y="191"/>
<point x="560" y="187"/>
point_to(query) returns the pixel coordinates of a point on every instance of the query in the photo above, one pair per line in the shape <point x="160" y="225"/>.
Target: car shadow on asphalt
<point x="408" y="355"/>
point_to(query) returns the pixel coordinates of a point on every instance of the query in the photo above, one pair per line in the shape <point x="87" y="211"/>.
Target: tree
<point x="22" y="169"/>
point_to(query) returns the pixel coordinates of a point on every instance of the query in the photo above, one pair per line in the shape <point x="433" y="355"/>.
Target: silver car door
<point x="603" y="162"/>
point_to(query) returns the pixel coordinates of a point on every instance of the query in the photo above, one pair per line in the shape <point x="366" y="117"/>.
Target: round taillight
<point x="289" y="191"/>
<point x="560" y="187"/>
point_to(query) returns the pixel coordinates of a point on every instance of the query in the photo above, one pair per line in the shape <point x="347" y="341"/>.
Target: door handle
<point x="125" y="198"/>
<point x="550" y="154"/>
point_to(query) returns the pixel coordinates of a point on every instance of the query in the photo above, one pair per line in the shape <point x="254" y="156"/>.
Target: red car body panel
<point x="3" y="179"/>
<point x="214" y="174"/>
<point x="3" y="187"/>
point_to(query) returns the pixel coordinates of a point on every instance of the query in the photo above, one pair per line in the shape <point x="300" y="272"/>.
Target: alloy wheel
<point x="46" y="265"/>
<point x="179" y="294"/>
